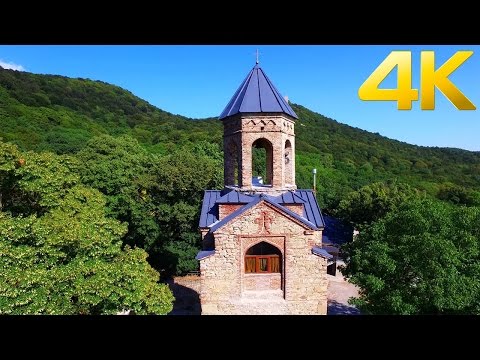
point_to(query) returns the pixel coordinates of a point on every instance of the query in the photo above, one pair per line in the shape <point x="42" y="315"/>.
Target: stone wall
<point x="224" y="286"/>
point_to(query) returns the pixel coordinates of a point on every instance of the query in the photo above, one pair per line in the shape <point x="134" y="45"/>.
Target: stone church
<point x="261" y="238"/>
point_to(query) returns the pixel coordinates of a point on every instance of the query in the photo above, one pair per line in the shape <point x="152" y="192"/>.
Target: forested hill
<point x="49" y="112"/>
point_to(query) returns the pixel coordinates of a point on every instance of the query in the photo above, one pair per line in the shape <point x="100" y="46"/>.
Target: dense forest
<point x="60" y="114"/>
<point x="149" y="168"/>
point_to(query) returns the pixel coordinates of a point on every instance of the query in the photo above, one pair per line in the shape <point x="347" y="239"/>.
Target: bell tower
<point x="261" y="238"/>
<point x="259" y="117"/>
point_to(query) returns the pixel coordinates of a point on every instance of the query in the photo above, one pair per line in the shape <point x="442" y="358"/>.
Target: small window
<point x="262" y="264"/>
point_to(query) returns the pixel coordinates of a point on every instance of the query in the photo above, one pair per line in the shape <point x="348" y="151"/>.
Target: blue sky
<point x="198" y="81"/>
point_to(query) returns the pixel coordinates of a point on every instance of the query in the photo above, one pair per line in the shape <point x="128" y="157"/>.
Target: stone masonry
<point x="303" y="285"/>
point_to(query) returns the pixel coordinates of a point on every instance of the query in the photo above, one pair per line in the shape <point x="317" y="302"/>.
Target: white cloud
<point x="11" y="66"/>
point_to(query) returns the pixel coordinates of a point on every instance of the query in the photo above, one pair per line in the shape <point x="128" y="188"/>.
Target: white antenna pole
<point x="314" y="172"/>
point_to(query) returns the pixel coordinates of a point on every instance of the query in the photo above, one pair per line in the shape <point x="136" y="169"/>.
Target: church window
<point x="263" y="258"/>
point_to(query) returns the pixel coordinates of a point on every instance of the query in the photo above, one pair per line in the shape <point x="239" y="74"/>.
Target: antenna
<point x="314" y="172"/>
<point x="257" y="57"/>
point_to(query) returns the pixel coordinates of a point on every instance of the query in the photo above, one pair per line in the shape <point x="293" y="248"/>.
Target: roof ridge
<point x="276" y="93"/>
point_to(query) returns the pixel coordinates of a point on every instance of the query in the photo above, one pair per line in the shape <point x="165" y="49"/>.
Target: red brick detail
<point x="296" y="208"/>
<point x="264" y="222"/>
<point x="226" y="209"/>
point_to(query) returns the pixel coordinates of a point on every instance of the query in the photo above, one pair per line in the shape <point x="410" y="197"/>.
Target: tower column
<point x="277" y="181"/>
<point x="246" y="163"/>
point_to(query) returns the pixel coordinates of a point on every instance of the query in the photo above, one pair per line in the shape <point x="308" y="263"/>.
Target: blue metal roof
<point x="257" y="94"/>
<point x="288" y="197"/>
<point x="238" y="212"/>
<point x="204" y="254"/>
<point x="209" y="213"/>
<point x="321" y="252"/>
<point x="235" y="197"/>
<point x="311" y="211"/>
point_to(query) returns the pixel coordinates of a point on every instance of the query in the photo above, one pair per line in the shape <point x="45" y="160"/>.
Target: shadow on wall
<point x="187" y="300"/>
<point x="336" y="308"/>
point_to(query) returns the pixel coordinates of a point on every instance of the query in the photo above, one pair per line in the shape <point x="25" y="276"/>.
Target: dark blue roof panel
<point x="312" y="214"/>
<point x="204" y="254"/>
<point x="321" y="252"/>
<point x="217" y="225"/>
<point x="336" y="231"/>
<point x="311" y="208"/>
<point x="257" y="94"/>
<point x="288" y="197"/>
<point x="235" y="197"/>
<point x="209" y="213"/>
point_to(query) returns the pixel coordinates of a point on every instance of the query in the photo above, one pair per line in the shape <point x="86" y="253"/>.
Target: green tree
<point x="259" y="163"/>
<point x="61" y="253"/>
<point x="177" y="192"/>
<point x="373" y="201"/>
<point x="158" y="196"/>
<point x="421" y="258"/>
<point x="459" y="195"/>
<point x="119" y="168"/>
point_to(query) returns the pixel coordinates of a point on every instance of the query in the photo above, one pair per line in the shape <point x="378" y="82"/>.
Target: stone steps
<point x="261" y="302"/>
<point x="263" y="295"/>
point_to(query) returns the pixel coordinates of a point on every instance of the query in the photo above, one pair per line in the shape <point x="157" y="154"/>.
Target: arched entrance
<point x="263" y="258"/>
<point x="263" y="267"/>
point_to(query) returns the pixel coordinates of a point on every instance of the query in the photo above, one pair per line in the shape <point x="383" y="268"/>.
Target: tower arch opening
<point x="289" y="161"/>
<point x="262" y="162"/>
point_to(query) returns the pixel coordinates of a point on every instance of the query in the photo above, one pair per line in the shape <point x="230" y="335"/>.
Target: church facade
<point x="261" y="238"/>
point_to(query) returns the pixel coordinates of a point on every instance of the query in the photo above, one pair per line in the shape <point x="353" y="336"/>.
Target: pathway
<point x="339" y="291"/>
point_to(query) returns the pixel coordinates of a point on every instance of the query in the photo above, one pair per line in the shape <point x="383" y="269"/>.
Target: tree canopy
<point x="421" y="258"/>
<point x="371" y="202"/>
<point x="158" y="196"/>
<point x="61" y="253"/>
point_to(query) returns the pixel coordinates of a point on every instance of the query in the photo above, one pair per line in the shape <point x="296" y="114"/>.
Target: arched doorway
<point x="263" y="258"/>
<point x="263" y="267"/>
<point x="262" y="162"/>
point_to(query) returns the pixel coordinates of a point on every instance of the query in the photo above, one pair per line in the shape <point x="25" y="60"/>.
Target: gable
<point x="263" y="217"/>
<point x="213" y="200"/>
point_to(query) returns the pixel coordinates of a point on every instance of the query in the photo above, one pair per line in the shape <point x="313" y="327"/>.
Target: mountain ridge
<point x="42" y="112"/>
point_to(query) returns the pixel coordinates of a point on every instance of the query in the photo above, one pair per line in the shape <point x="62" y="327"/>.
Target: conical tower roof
<point x="257" y="94"/>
